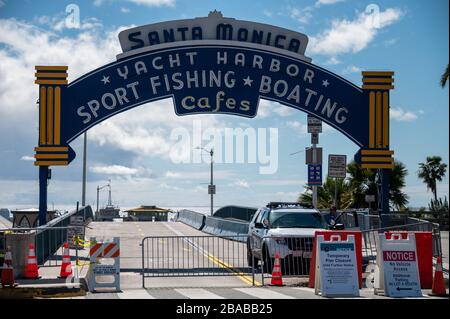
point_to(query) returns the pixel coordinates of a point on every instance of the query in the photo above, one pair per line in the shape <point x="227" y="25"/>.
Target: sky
<point x="134" y="149"/>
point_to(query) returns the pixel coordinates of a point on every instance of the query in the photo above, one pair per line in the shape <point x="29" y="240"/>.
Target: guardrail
<point x="181" y="256"/>
<point x="223" y="227"/>
<point x="191" y="218"/>
<point x="47" y="239"/>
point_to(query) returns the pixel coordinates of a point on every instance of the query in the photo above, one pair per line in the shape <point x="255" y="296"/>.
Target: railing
<point x="48" y="239"/>
<point x="369" y="239"/>
<point x="179" y="256"/>
<point x="294" y="253"/>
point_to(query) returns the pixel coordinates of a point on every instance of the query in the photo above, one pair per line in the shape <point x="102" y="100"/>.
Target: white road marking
<point x="263" y="293"/>
<point x="306" y="289"/>
<point x="135" y="294"/>
<point x="197" y="293"/>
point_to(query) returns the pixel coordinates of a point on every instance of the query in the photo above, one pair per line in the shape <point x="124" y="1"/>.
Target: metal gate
<point x="178" y="256"/>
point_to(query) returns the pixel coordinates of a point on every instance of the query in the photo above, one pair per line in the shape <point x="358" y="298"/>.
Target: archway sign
<point x="212" y="65"/>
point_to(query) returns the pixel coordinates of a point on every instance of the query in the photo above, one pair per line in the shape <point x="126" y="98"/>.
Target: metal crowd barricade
<point x="294" y="254"/>
<point x="369" y="239"/>
<point x="181" y="256"/>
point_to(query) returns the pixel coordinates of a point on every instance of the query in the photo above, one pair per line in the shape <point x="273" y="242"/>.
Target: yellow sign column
<point x="377" y="85"/>
<point x="52" y="82"/>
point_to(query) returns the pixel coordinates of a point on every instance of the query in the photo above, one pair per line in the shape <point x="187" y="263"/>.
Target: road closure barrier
<point x="344" y="236"/>
<point x="225" y="227"/>
<point x="99" y="269"/>
<point x="191" y="218"/>
<point x="424" y="248"/>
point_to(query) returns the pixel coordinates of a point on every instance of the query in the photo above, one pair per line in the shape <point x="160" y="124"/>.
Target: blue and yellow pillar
<point x="377" y="154"/>
<point x="52" y="81"/>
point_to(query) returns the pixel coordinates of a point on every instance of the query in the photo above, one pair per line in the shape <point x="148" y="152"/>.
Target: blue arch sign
<point x="212" y="65"/>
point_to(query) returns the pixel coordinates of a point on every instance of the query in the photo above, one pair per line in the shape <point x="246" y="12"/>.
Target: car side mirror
<point x="259" y="225"/>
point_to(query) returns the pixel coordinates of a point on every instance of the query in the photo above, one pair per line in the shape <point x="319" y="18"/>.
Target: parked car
<point x="287" y="229"/>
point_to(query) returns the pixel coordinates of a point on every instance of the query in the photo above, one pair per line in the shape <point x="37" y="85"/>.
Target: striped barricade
<point x="98" y="270"/>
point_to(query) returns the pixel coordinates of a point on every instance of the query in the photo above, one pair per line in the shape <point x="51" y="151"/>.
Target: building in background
<point x="148" y="213"/>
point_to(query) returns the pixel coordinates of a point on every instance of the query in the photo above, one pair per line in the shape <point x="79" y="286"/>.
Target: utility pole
<point x="314" y="188"/>
<point x="98" y="194"/>
<point x="211" y="186"/>
<point x="212" y="182"/>
<point x="83" y="192"/>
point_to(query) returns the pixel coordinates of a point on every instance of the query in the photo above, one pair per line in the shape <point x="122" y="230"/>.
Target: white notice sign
<point x="337" y="267"/>
<point x="399" y="266"/>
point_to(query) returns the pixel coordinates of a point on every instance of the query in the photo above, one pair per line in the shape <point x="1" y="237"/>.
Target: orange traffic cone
<point x="276" y="272"/>
<point x="8" y="271"/>
<point x="438" y="288"/>
<point x="31" y="268"/>
<point x="66" y="267"/>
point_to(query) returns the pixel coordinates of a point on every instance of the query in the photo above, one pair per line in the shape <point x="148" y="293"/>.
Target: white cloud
<point x="326" y="2"/>
<point x="298" y="126"/>
<point x="352" y="36"/>
<point x="241" y="184"/>
<point x="333" y="61"/>
<point x="173" y="174"/>
<point x="303" y="16"/>
<point x="27" y="158"/>
<point x="124" y="10"/>
<point x="351" y="69"/>
<point x="59" y="23"/>
<point x="268" y="13"/>
<point x="155" y="3"/>
<point x="400" y="115"/>
<point x="22" y="46"/>
<point x="267" y="108"/>
<point x="113" y="170"/>
<point x="166" y="186"/>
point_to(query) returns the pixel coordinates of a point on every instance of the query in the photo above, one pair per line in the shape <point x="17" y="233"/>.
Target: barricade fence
<point x="369" y="239"/>
<point x="178" y="256"/>
<point x="294" y="255"/>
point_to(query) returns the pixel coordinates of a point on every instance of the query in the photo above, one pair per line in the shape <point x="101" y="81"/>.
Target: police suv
<point x="286" y="229"/>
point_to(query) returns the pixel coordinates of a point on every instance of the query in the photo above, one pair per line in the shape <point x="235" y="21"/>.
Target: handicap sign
<point x="314" y="174"/>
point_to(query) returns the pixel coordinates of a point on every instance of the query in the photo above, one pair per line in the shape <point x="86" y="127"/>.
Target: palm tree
<point x="363" y="182"/>
<point x="444" y="78"/>
<point x="431" y="172"/>
<point x="353" y="190"/>
<point x="325" y="194"/>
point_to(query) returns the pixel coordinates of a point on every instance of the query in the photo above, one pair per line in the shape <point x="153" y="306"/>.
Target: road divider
<point x="191" y="218"/>
<point x="224" y="227"/>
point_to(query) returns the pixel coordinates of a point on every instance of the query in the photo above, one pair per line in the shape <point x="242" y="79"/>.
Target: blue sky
<point x="132" y="148"/>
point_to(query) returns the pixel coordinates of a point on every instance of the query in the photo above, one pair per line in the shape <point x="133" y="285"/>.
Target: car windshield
<point x="295" y="220"/>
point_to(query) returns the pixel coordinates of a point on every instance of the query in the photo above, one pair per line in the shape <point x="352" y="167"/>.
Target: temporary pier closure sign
<point x="212" y="65"/>
<point x="336" y="267"/>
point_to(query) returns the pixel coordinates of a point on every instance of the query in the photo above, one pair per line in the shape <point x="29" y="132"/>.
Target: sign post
<point x="337" y="168"/>
<point x="336" y="267"/>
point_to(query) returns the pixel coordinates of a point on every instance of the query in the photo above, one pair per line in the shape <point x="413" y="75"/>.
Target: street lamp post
<point x="211" y="188"/>
<point x="98" y="192"/>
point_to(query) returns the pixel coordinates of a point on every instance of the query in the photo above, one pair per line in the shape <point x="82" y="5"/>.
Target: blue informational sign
<point x="217" y="80"/>
<point x="314" y="174"/>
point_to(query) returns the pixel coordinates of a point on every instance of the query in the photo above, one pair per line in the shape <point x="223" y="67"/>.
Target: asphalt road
<point x="172" y="254"/>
